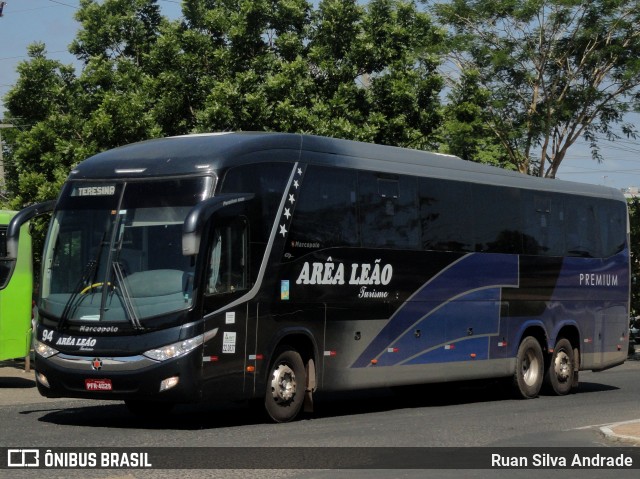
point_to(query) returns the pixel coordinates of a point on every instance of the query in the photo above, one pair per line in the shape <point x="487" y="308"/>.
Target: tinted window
<point x="388" y="211"/>
<point x="3" y="241"/>
<point x="267" y="180"/>
<point x="613" y="223"/>
<point x="325" y="214"/>
<point x="445" y="214"/>
<point x="496" y="213"/>
<point x="543" y="222"/>
<point x="582" y="236"/>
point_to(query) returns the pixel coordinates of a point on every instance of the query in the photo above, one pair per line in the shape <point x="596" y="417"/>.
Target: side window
<point x="267" y="181"/>
<point x="388" y="211"/>
<point x="5" y="266"/>
<point x="497" y="219"/>
<point x="325" y="214"/>
<point x="3" y="241"/>
<point x="447" y="220"/>
<point x="227" y="265"/>
<point x="544" y="224"/>
<point x="68" y="248"/>
<point x="582" y="235"/>
<point x="612" y="218"/>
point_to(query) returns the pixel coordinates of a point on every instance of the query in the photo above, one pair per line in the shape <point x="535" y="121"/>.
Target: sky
<point x="52" y="22"/>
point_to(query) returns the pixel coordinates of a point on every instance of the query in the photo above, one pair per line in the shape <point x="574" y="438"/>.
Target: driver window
<point x="227" y="265"/>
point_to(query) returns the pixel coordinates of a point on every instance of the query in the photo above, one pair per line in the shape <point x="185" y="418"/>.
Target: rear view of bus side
<point x="253" y="265"/>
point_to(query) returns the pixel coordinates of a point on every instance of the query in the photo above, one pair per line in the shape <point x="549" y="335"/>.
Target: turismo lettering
<point x="330" y="273"/>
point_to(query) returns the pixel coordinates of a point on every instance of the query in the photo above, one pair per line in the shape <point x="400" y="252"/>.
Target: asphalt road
<point x="463" y="416"/>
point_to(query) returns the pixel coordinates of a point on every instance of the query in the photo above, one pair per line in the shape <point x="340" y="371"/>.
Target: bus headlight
<point x="44" y="350"/>
<point x="175" y="350"/>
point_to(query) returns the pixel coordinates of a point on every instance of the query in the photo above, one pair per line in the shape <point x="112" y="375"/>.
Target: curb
<point x="627" y="431"/>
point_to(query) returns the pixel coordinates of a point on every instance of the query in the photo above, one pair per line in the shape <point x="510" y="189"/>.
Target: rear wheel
<point x="558" y="378"/>
<point x="529" y="374"/>
<point x="286" y="386"/>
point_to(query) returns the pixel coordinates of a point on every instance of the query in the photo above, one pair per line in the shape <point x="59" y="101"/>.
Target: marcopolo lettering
<point x="99" y="329"/>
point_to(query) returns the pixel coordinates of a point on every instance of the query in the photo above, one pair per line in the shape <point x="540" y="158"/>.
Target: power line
<point x="27" y="56"/>
<point x="65" y="4"/>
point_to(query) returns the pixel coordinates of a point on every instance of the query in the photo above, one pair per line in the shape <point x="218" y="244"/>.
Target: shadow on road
<point x="200" y="416"/>
<point x="16" y="383"/>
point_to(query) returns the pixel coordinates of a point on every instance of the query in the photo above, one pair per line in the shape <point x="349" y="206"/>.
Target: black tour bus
<point x="267" y="266"/>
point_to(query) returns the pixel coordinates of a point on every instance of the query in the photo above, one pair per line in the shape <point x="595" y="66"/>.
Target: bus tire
<point x="558" y="378"/>
<point x="529" y="374"/>
<point x="286" y="385"/>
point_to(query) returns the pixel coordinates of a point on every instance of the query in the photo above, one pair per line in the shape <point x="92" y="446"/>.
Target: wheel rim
<point x="562" y="366"/>
<point x="283" y="384"/>
<point x="530" y="368"/>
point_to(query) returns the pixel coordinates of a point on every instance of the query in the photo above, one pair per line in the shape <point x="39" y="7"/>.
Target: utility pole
<point x="3" y="186"/>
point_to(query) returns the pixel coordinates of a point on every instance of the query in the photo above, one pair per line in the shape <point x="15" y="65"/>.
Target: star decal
<point x="287" y="213"/>
<point x="299" y="171"/>
<point x="296" y="185"/>
<point x="283" y="230"/>
<point x="292" y="199"/>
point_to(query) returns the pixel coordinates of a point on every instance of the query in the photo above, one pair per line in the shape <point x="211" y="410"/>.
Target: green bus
<point x="16" y="288"/>
<point x="16" y="280"/>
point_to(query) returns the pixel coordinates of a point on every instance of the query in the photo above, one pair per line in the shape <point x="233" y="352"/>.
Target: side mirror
<point x="24" y="215"/>
<point x="8" y="263"/>
<point x="228" y="205"/>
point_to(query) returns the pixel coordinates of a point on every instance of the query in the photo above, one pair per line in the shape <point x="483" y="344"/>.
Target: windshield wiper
<point x="86" y="283"/>
<point x="125" y="295"/>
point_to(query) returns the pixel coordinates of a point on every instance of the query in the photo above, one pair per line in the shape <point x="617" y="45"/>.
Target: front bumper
<point x="131" y="377"/>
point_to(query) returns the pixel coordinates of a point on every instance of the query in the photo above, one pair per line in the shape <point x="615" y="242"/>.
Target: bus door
<point x="226" y="317"/>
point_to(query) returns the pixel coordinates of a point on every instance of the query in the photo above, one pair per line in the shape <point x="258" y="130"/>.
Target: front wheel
<point x="529" y="374"/>
<point x="558" y="378"/>
<point x="286" y="386"/>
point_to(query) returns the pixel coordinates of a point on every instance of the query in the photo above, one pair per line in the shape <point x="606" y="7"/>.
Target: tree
<point x="634" y="239"/>
<point x="38" y="159"/>
<point x="556" y="70"/>
<point x="466" y="130"/>
<point x="343" y="69"/>
<point x="64" y="117"/>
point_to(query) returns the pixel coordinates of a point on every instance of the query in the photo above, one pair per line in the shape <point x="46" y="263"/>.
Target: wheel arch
<point x="302" y="340"/>
<point x="538" y="332"/>
<point x="571" y="333"/>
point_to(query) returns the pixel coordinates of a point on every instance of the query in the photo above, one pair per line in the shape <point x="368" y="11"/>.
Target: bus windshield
<point x="114" y="251"/>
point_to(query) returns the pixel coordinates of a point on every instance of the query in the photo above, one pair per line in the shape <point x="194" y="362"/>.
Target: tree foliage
<point x="634" y="239"/>
<point x="340" y="68"/>
<point x="466" y="126"/>
<point x="555" y="70"/>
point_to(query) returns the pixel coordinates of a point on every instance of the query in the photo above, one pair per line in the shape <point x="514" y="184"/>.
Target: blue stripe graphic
<point x="468" y="289"/>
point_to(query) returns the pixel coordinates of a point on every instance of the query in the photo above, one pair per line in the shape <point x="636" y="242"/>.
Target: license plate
<point x="98" y="384"/>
